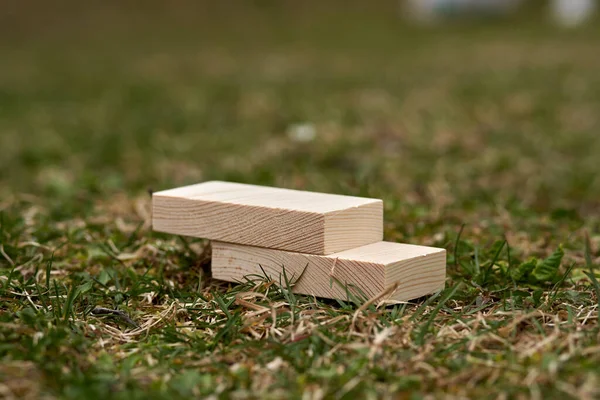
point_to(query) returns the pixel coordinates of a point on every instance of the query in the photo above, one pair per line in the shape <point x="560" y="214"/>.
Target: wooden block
<point x="294" y="220"/>
<point x="366" y="271"/>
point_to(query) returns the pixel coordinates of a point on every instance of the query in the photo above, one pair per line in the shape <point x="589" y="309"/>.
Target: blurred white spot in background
<point x="432" y="10"/>
<point x="304" y="132"/>
<point x="568" y="13"/>
<point x="572" y="12"/>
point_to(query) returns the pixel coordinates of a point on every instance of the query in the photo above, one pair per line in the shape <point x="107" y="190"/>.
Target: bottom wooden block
<point x="363" y="271"/>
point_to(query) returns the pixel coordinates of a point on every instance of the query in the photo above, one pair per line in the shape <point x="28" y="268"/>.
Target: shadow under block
<point x="307" y="222"/>
<point x="366" y="271"/>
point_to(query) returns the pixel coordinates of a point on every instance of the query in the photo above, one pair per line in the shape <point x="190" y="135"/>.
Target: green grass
<point x="481" y="138"/>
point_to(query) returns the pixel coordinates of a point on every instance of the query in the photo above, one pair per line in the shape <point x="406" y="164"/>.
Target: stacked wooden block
<point x="329" y="245"/>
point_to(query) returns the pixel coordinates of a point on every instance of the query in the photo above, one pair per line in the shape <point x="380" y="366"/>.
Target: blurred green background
<point x="455" y="122"/>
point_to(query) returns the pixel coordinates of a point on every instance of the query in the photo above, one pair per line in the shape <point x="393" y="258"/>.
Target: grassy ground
<point x="481" y="138"/>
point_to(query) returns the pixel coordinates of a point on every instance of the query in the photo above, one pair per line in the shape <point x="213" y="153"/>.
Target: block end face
<point x="354" y="227"/>
<point x="417" y="275"/>
<point x="157" y="217"/>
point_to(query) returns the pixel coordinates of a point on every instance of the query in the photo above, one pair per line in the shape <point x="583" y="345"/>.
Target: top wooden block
<point x="293" y="220"/>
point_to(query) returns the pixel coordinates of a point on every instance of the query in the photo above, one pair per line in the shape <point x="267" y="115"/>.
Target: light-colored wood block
<point x="307" y="222"/>
<point x="365" y="271"/>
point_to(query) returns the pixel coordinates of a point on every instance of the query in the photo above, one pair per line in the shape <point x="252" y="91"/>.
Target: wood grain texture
<point x="365" y="271"/>
<point x="307" y="222"/>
